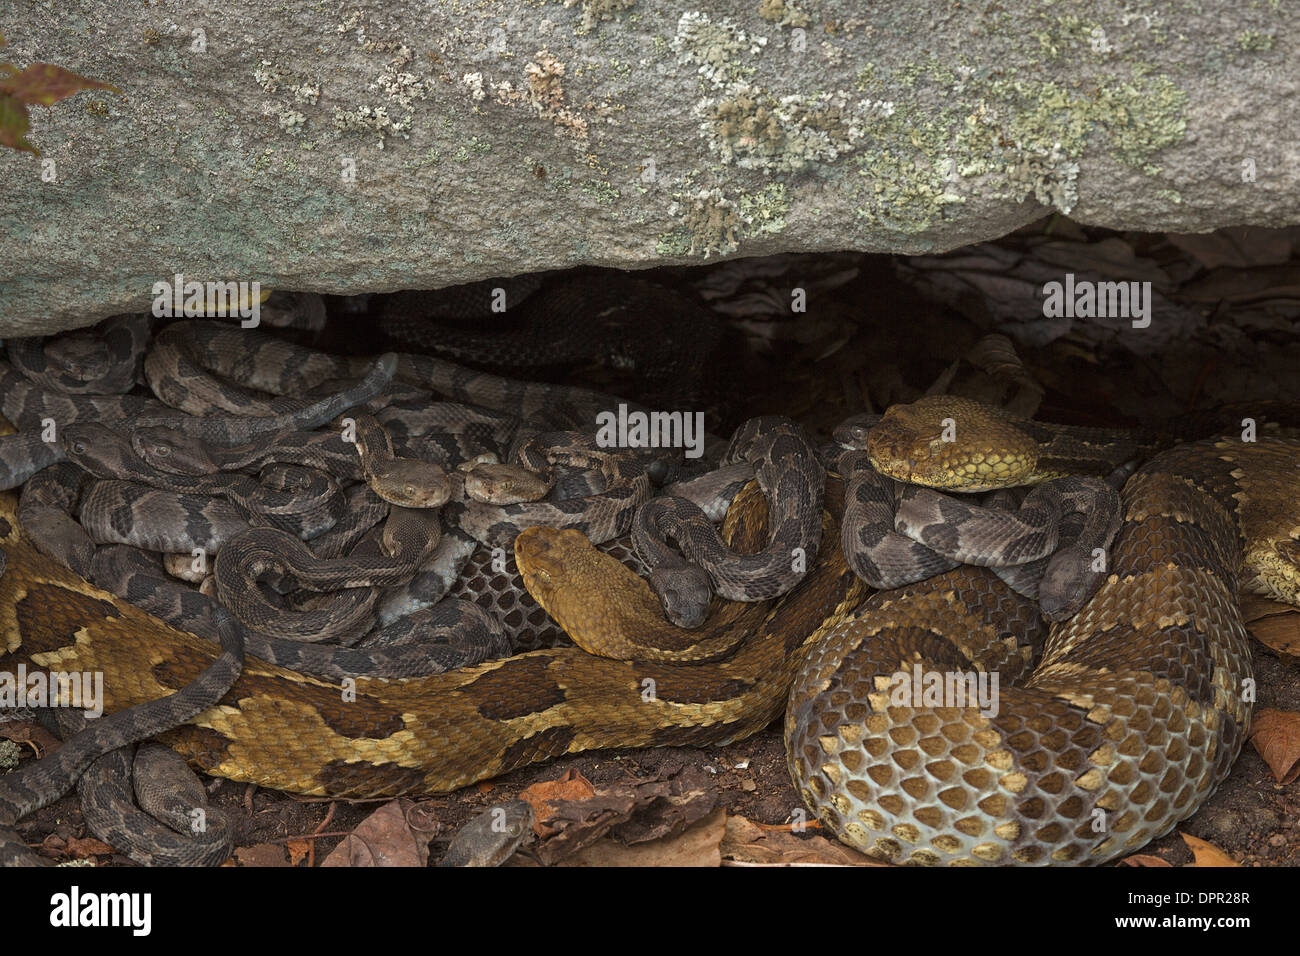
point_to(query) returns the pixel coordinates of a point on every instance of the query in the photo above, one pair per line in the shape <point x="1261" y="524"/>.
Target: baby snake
<point x="1145" y="747"/>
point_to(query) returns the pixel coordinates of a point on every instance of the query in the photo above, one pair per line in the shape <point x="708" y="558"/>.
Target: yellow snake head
<point x="942" y="441"/>
<point x="611" y="612"/>
<point x="575" y="582"/>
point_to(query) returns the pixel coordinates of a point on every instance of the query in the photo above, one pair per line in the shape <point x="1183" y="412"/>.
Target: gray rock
<point x="496" y="138"/>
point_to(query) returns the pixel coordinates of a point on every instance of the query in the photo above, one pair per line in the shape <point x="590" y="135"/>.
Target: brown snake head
<point x="503" y="484"/>
<point x="410" y="483"/>
<point x="572" y="580"/>
<point x="942" y="441"/>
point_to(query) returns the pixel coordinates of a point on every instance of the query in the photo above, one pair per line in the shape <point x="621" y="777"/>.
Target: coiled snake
<point x="1133" y="713"/>
<point x="1136" y="708"/>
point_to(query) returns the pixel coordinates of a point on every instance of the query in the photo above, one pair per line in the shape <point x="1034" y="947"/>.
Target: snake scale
<point x="1130" y="716"/>
<point x="1104" y="739"/>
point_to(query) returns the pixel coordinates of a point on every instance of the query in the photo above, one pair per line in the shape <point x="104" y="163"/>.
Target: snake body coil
<point x="1133" y="715"/>
<point x="1122" y="726"/>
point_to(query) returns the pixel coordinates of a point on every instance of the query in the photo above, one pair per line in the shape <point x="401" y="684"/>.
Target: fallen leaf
<point x="32" y="733"/>
<point x="750" y="844"/>
<point x="298" y="851"/>
<point x="1144" y="859"/>
<point x="84" y="847"/>
<point x="699" y="845"/>
<point x="384" y="838"/>
<point x="1256" y="606"/>
<point x="1278" y="630"/>
<point x="54" y="845"/>
<point x="572" y="824"/>
<point x="14" y="124"/>
<point x="639" y="812"/>
<point x="1280" y="281"/>
<point x="669" y="806"/>
<point x="1110" y="258"/>
<point x="1207" y="854"/>
<point x="570" y="785"/>
<point x="46" y="84"/>
<point x="1276" y="735"/>
<point x="262" y="854"/>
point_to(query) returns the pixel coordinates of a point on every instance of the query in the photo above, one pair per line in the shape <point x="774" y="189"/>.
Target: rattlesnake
<point x="185" y="357"/>
<point x="1158" y="736"/>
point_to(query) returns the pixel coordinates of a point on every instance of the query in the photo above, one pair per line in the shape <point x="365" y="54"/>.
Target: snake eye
<point x="410" y="491"/>
<point x="162" y="451"/>
<point x="860" y="432"/>
<point x="78" y="447"/>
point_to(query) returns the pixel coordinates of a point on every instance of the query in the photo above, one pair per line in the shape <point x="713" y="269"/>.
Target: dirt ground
<point x="1251" y="817"/>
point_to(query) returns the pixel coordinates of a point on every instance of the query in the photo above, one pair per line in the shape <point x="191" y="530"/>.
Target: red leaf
<point x="46" y="84"/>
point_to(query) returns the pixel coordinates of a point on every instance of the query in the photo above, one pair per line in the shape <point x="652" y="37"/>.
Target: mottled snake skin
<point x="1127" y="721"/>
<point x="1123" y="725"/>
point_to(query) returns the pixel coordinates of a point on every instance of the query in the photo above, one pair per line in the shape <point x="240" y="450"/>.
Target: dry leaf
<point x="263" y="854"/>
<point x="1278" y="631"/>
<point x="697" y="846"/>
<point x="46" y="84"/>
<point x="1144" y="859"/>
<point x="298" y="851"/>
<point x="644" y="811"/>
<point x="84" y="847"/>
<point x="1256" y="606"/>
<point x="1244" y="285"/>
<point x="42" y="83"/>
<point x="31" y="733"/>
<point x="571" y="785"/>
<point x="1276" y="735"/>
<point x="384" y="838"/>
<point x="1207" y="854"/>
<point x="749" y="844"/>
<point x="14" y="124"/>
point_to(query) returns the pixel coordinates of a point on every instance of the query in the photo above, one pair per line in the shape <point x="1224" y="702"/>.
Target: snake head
<point x="589" y="593"/>
<point x="684" y="592"/>
<point x="411" y="483"/>
<point x="173" y="451"/>
<point x="549" y="558"/>
<point x="86" y="444"/>
<point x="852" y="433"/>
<point x="958" y="444"/>
<point x="503" y="484"/>
<point x="83" y="356"/>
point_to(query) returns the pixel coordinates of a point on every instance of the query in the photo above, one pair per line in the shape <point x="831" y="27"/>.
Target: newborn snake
<point x="287" y="731"/>
<point x="1135" y="710"/>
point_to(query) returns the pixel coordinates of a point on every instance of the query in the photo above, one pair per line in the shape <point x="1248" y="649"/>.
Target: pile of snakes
<point x="992" y="640"/>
